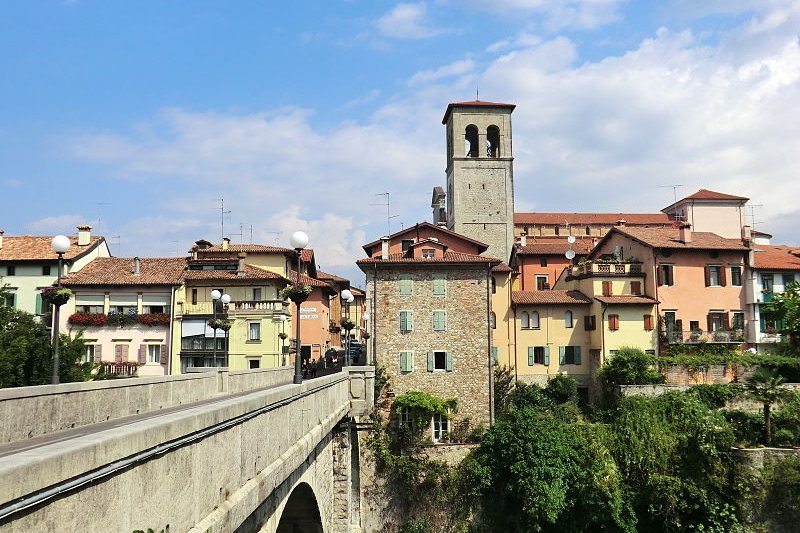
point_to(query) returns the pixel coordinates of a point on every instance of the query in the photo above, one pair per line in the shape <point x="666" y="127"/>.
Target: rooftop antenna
<point x="752" y="208"/>
<point x="240" y="234"/>
<point x="100" y="213"/>
<point x="277" y="236"/>
<point x="118" y="243"/>
<point x="222" y="214"/>
<point x="389" y="216"/>
<point x="675" y="214"/>
<point x="477" y="94"/>
<point x="251" y="234"/>
<point x="177" y="247"/>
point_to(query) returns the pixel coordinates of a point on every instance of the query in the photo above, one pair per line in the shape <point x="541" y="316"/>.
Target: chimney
<point x="240" y="266"/>
<point x="84" y="235"/>
<point x="621" y="223"/>
<point x="137" y="266"/>
<point x="225" y="243"/>
<point x="747" y="233"/>
<point x="685" y="233"/>
<point x="1" y="239"/>
<point x="384" y="248"/>
<point x="523" y="239"/>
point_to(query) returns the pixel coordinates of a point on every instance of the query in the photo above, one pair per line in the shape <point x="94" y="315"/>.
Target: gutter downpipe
<point x="658" y="304"/>
<point x="374" y="315"/>
<point x="489" y="338"/>
<point x="603" y="332"/>
<point x="171" y="332"/>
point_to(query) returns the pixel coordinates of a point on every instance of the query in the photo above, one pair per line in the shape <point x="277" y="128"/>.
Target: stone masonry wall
<point x="466" y="337"/>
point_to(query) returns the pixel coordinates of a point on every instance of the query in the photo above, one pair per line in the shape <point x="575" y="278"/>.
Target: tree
<point x="26" y="356"/>
<point x="765" y="386"/>
<point x="629" y="366"/>
<point x="785" y="307"/>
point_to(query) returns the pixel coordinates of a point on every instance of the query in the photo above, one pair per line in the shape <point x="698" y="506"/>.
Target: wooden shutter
<point x="448" y="361"/>
<point x="431" y="361"/>
<point x="125" y="351"/>
<point x="636" y="288"/>
<point x="98" y="353"/>
<point x="118" y="353"/>
<point x="660" y="274"/>
<point x="679" y="327"/>
<point x="707" y="272"/>
<point x="708" y="322"/>
<point x="577" y="351"/>
<point x="142" y="353"/>
<point x="546" y="356"/>
<point x="530" y="356"/>
<point x="562" y="355"/>
<point x="648" y="322"/>
<point x="606" y="288"/>
<point x="613" y="322"/>
<point x="725" y="322"/>
<point x="723" y="276"/>
<point x="403" y="361"/>
<point x="39" y="303"/>
<point x="164" y="354"/>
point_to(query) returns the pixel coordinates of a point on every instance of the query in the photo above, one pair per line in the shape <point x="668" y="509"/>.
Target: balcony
<point x="266" y="307"/>
<point x="712" y="337"/>
<point x="592" y="268"/>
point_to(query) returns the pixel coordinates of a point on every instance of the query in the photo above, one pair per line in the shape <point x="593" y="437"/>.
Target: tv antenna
<point x="118" y="243"/>
<point x="222" y="214"/>
<point x="674" y="191"/>
<point x="752" y="208"/>
<point x="276" y="233"/>
<point x="389" y="216"/>
<point x="100" y="213"/>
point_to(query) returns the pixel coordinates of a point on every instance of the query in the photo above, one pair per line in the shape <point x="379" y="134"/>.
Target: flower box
<point x="298" y="293"/>
<point x="153" y="319"/>
<point x="88" y="319"/>
<point x="57" y="296"/>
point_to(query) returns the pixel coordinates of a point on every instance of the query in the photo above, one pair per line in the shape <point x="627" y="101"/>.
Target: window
<point x="648" y="323"/>
<point x="252" y="364"/>
<point x="607" y="288"/>
<point x="440" y="361"/>
<point x="96" y="309"/>
<point x="534" y="319"/>
<point x="694" y="325"/>
<point x="150" y="309"/>
<point x="714" y="276"/>
<point x="541" y="283"/>
<point x="440" y="285"/>
<point x="257" y="295"/>
<point x="404" y="419"/>
<point x="471" y="140"/>
<point x="568" y="319"/>
<point x="588" y="230"/>
<point x="788" y="279"/>
<point x="406" y="361"/>
<point x="8" y="299"/>
<point x="493" y="141"/>
<point x="88" y="355"/>
<point x="589" y="323"/>
<point x="439" y="321"/>
<point x="46" y="270"/>
<point x="543" y="261"/>
<point x="406" y="244"/>
<point x="428" y="253"/>
<point x="569" y="355"/>
<point x="717" y="321"/>
<point x="406" y="321"/>
<point x="123" y="309"/>
<point x="11" y="270"/>
<point x="538" y="355"/>
<point x="636" y="288"/>
<point x="492" y="320"/>
<point x="666" y="275"/>
<point x="441" y="426"/>
<point x="524" y="320"/>
<point x="736" y="276"/>
<point x="767" y="282"/>
<point x="194" y="296"/>
<point x="613" y="322"/>
<point x="254" y="331"/>
<point x="153" y="353"/>
<point x="406" y="287"/>
<point x="738" y="320"/>
<point x="557" y="230"/>
<point x="495" y="356"/>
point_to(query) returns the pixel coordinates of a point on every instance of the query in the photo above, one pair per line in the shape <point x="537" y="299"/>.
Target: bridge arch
<point x="301" y="512"/>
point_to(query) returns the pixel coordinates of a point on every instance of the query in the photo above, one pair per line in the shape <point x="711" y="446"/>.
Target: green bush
<point x="716" y="396"/>
<point x="748" y="428"/>
<point x="629" y="366"/>
<point x="562" y="388"/>
<point x="783" y="437"/>
<point x="781" y="502"/>
<point x="416" y="526"/>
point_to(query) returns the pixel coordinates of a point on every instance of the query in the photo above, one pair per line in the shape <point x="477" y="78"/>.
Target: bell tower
<point x="480" y="174"/>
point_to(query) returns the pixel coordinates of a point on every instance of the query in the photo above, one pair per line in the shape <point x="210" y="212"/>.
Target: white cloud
<point x="556" y="14"/>
<point x="407" y="21"/>
<point x="57" y="224"/>
<point x="456" y="68"/>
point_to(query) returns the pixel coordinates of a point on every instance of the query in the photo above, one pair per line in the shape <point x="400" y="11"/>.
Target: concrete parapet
<point x="362" y="389"/>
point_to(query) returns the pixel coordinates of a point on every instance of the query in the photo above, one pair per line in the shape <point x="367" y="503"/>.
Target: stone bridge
<point x="216" y="451"/>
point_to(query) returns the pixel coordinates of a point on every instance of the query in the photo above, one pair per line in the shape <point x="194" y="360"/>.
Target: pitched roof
<point x="248" y="248"/>
<point x="705" y="194"/>
<point x="473" y="103"/>
<point x="307" y="280"/>
<point x="582" y="219"/>
<point x="30" y="248"/>
<point x="502" y="267"/>
<point x="549" y="297"/>
<point x="333" y="277"/>
<point x="554" y="248"/>
<point x="367" y="247"/>
<point x="626" y="300"/>
<point x="668" y="238"/>
<point x="776" y="257"/>
<point x="357" y="292"/>
<point x="119" y="271"/>
<point x="250" y="273"/>
<point x="449" y="257"/>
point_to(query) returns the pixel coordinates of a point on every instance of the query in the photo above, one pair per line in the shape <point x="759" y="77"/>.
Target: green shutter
<point x="405" y="286"/>
<point x="410" y="321"/>
<point x="562" y="355"/>
<point x="403" y="361"/>
<point x="546" y="356"/>
<point x="495" y="358"/>
<point x="439" y="321"/>
<point x="530" y="356"/>
<point x="448" y="361"/>
<point x="406" y="321"/>
<point x="38" y="303"/>
<point x="430" y="361"/>
<point x="439" y="286"/>
<point x="577" y="355"/>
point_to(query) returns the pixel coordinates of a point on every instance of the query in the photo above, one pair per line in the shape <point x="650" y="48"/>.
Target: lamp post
<point x="225" y="299"/>
<point x="284" y="318"/>
<point x="298" y="241"/>
<point x="348" y="298"/>
<point x="60" y="244"/>
<point x="367" y="353"/>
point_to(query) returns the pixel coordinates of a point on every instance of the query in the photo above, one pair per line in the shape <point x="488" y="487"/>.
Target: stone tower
<point x="480" y="174"/>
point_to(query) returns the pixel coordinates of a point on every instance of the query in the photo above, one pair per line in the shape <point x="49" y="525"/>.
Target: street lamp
<point x="348" y="298"/>
<point x="225" y="299"/>
<point x="368" y="352"/>
<point x="60" y="244"/>
<point x="298" y="241"/>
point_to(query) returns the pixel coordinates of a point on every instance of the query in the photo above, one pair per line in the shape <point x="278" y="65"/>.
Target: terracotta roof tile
<point x="705" y="194"/>
<point x="250" y="273"/>
<point x="777" y="257"/>
<point x="626" y="300"/>
<point x="668" y="238"/>
<point x="502" y="267"/>
<point x="29" y="248"/>
<point x="583" y="219"/>
<point x="119" y="271"/>
<point x="333" y="277"/>
<point x="549" y="297"/>
<point x="449" y="257"/>
<point x="554" y="248"/>
<point x="307" y="255"/>
<point x="306" y="280"/>
<point x="357" y="292"/>
<point x="249" y="248"/>
<point x="444" y="231"/>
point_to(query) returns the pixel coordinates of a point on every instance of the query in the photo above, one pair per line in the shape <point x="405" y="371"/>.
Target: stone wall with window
<point x="432" y="332"/>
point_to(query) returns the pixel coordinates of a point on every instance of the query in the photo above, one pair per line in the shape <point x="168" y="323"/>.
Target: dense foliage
<point x="785" y="307"/>
<point x="629" y="366"/>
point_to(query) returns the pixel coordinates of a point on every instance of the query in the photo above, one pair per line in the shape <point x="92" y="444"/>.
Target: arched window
<point x="568" y="319"/>
<point x="524" y="320"/>
<point x="492" y="141"/>
<point x="493" y="320"/>
<point x="471" y="140"/>
<point x="535" y="319"/>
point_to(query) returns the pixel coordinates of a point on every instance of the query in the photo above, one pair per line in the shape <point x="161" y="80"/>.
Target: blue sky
<point x="136" y="117"/>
